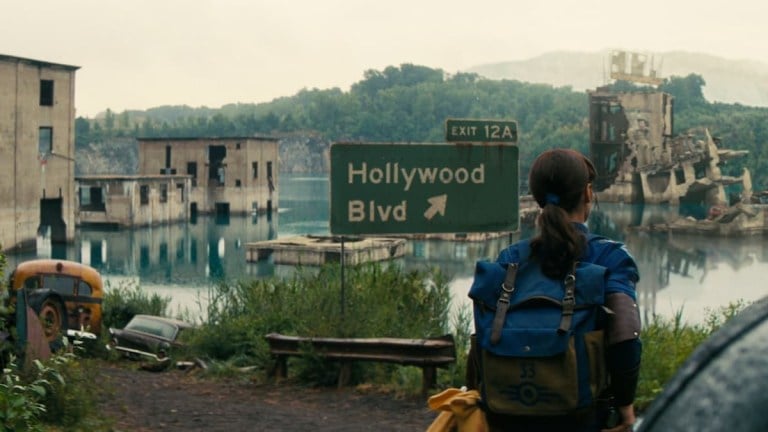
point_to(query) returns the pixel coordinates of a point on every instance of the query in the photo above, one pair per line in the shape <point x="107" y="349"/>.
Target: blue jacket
<point x="613" y="255"/>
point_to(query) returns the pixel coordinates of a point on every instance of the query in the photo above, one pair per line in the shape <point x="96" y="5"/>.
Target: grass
<point x="388" y="301"/>
<point x="374" y="301"/>
<point x="667" y="344"/>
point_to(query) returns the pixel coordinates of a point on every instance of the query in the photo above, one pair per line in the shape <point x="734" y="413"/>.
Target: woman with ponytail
<point x="560" y="181"/>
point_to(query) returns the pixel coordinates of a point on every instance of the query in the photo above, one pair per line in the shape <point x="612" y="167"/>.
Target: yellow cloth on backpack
<point x="460" y="412"/>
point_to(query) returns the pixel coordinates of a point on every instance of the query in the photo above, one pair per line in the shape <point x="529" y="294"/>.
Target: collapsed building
<point x="640" y="160"/>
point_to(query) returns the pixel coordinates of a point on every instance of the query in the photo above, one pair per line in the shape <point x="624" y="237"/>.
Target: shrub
<point x="376" y="301"/>
<point x="21" y="406"/>
<point x="70" y="400"/>
<point x="127" y="299"/>
<point x="667" y="344"/>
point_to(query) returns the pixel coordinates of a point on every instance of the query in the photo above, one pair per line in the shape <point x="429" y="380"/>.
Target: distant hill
<point x="728" y="81"/>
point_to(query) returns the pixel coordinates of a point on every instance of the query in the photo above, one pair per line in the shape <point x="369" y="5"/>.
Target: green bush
<point x="126" y="299"/>
<point x="57" y="392"/>
<point x="71" y="401"/>
<point x="667" y="344"/>
<point x="21" y="406"/>
<point x="376" y="301"/>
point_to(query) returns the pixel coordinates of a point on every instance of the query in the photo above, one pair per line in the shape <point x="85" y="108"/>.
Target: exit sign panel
<point x="470" y="130"/>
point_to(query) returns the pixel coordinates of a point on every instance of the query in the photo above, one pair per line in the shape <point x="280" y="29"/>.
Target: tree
<point x="688" y="91"/>
<point x="124" y="121"/>
<point x="109" y="120"/>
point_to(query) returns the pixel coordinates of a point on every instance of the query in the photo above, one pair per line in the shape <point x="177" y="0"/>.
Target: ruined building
<point x="639" y="160"/>
<point x="37" y="118"/>
<point x="227" y="175"/>
<point x="121" y="201"/>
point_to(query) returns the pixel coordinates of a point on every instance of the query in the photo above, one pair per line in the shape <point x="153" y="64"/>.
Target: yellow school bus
<point x="66" y="295"/>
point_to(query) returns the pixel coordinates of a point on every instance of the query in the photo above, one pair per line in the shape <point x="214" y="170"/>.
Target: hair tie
<point x="551" y="198"/>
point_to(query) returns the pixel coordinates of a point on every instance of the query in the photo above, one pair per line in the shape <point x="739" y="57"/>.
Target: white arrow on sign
<point x="436" y="205"/>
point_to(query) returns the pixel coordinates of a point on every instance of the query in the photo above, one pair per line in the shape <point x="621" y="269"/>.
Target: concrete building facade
<point x="234" y="176"/>
<point x="132" y="200"/>
<point x="37" y="144"/>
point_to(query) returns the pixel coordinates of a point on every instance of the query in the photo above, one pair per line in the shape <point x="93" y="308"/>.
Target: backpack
<point x="539" y="344"/>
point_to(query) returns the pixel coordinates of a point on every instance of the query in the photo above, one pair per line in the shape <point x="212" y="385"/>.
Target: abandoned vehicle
<point x="148" y="337"/>
<point x="66" y="296"/>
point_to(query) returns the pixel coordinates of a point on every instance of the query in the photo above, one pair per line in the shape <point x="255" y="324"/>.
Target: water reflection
<point x="208" y="250"/>
<point x="691" y="273"/>
<point x="679" y="273"/>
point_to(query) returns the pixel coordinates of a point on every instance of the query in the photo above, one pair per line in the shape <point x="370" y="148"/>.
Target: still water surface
<point x="678" y="273"/>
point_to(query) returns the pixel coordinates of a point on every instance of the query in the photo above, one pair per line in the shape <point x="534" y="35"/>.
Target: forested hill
<point x="409" y="103"/>
<point x="728" y="81"/>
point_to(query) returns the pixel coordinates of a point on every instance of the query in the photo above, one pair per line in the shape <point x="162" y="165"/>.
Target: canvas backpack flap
<point x="536" y="300"/>
<point x="486" y="285"/>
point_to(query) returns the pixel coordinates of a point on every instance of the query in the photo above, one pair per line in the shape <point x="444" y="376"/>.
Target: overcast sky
<point x="137" y="54"/>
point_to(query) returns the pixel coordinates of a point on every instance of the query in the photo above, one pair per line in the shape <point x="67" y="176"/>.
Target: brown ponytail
<point x="557" y="181"/>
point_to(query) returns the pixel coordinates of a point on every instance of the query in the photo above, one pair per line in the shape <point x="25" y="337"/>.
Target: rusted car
<point x="149" y="337"/>
<point x="66" y="296"/>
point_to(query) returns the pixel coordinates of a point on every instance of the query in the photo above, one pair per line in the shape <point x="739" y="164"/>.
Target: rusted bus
<point x="66" y="295"/>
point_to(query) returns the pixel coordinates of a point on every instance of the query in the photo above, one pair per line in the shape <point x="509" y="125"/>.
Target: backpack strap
<point x="502" y="305"/>
<point x="508" y="286"/>
<point x="569" y="301"/>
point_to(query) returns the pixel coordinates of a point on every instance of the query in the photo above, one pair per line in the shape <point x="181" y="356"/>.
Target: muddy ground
<point x="178" y="401"/>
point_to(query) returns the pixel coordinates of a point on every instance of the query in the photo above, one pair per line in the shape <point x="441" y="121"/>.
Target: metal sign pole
<point x="342" y="277"/>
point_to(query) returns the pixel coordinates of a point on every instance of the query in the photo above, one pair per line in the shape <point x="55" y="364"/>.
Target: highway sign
<point x="423" y="188"/>
<point x="470" y="130"/>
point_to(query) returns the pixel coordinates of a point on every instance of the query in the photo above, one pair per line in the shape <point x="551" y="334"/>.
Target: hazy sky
<point x="137" y="54"/>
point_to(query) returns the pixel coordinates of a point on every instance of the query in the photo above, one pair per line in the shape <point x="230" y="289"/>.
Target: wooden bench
<point x="428" y="354"/>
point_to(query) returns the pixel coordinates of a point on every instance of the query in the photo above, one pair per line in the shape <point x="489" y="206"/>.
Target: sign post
<point x="424" y="188"/>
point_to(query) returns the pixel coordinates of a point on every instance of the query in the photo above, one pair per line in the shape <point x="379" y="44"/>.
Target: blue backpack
<point x="539" y="347"/>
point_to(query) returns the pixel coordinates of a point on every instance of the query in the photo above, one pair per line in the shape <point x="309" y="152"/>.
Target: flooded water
<point x="678" y="273"/>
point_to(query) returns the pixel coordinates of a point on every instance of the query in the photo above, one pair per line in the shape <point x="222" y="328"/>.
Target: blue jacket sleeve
<point x="509" y="254"/>
<point x="621" y="266"/>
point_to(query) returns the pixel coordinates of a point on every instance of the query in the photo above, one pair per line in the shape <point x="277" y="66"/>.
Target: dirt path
<point x="178" y="401"/>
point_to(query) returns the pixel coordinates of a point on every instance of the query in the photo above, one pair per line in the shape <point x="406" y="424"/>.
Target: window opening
<point x="163" y="193"/>
<point x="680" y="176"/>
<point x="192" y="170"/>
<point x="216" y="165"/>
<point x="46" y="92"/>
<point x="92" y="198"/>
<point x="45" y="140"/>
<point x="271" y="184"/>
<point x="144" y="194"/>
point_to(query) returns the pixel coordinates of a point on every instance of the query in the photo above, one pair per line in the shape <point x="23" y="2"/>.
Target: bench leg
<point x="428" y="379"/>
<point x="345" y="373"/>
<point x="280" y="368"/>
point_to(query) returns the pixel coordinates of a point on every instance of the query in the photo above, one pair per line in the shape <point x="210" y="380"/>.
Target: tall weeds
<point x="667" y="344"/>
<point x="126" y="299"/>
<point x="374" y="301"/>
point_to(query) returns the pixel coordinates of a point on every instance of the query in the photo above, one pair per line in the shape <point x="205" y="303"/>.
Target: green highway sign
<point x="470" y="130"/>
<point x="423" y="188"/>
